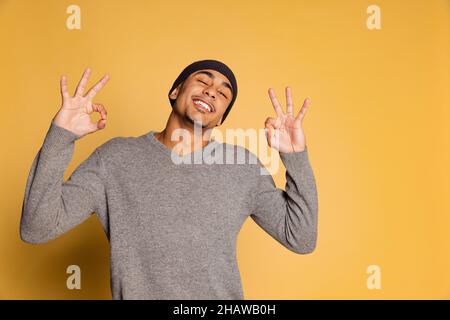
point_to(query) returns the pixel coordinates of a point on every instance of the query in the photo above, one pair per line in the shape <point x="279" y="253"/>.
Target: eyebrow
<point x="209" y="74"/>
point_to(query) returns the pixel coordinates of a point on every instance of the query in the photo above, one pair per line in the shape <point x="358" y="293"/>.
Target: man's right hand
<point x="74" y="114"/>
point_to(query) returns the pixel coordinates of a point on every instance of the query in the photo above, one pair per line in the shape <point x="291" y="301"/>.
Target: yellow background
<point x="376" y="130"/>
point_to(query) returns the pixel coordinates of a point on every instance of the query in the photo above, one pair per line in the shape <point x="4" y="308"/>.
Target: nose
<point x="210" y="92"/>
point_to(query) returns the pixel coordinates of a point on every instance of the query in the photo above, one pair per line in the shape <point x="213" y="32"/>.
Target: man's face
<point x="203" y="87"/>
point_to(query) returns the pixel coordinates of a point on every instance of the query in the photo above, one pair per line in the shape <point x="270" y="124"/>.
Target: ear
<point x="174" y="93"/>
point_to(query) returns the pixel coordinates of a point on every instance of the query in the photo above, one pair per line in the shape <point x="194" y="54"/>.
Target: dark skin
<point x="284" y="133"/>
<point x="213" y="88"/>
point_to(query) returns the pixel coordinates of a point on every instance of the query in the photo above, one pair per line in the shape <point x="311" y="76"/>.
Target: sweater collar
<point x="196" y="157"/>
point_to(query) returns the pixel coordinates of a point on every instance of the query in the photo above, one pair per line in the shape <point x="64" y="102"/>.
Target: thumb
<point x="95" y="126"/>
<point x="101" y="123"/>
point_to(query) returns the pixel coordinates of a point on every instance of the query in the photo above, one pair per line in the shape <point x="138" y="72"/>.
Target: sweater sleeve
<point x="289" y="216"/>
<point x="52" y="206"/>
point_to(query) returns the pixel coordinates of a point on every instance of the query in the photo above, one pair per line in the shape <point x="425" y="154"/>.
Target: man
<point x="172" y="226"/>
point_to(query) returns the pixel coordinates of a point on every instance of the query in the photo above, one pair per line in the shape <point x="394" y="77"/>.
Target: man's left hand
<point x="285" y="132"/>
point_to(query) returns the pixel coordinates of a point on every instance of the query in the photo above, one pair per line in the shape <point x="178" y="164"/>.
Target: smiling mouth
<point x="202" y="106"/>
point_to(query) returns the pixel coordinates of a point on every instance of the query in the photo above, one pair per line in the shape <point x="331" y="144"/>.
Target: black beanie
<point x="208" y="64"/>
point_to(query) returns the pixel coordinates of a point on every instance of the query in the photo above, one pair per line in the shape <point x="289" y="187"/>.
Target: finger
<point x="82" y="84"/>
<point x="63" y="84"/>
<point x="289" y="101"/>
<point x="275" y="103"/>
<point x="98" y="107"/>
<point x="97" y="87"/>
<point x="276" y="123"/>
<point x="101" y="124"/>
<point x="270" y="121"/>
<point x="302" y="112"/>
<point x="271" y="125"/>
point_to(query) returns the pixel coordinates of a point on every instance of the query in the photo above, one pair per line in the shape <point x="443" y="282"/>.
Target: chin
<point x="197" y="120"/>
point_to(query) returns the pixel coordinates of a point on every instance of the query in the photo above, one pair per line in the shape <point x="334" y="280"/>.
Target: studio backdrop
<point x="377" y="73"/>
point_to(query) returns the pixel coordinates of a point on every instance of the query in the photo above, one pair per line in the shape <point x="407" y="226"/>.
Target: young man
<point x="172" y="225"/>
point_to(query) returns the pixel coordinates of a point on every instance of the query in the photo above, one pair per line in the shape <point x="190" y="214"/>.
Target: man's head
<point x="204" y="81"/>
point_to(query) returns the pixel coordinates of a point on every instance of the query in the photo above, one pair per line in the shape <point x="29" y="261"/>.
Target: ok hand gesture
<point x="285" y="132"/>
<point x="74" y="112"/>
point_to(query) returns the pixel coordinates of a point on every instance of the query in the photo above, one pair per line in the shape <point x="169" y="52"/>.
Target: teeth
<point x="202" y="104"/>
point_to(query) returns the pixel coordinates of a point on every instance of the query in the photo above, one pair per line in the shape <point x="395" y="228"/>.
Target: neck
<point x="184" y="136"/>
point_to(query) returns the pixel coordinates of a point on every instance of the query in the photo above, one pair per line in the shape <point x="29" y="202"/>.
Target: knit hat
<point x="208" y="64"/>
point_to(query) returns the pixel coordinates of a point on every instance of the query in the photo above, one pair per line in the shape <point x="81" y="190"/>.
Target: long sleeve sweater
<point x="172" y="224"/>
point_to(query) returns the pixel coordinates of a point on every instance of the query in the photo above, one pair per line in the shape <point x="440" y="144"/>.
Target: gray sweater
<point x="171" y="226"/>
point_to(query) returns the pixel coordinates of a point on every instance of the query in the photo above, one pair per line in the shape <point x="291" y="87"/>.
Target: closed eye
<point x="206" y="83"/>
